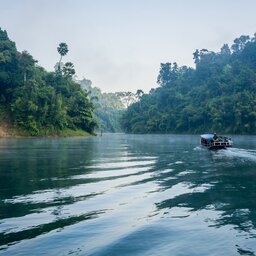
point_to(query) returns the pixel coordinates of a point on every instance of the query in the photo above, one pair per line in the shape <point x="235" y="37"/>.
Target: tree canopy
<point x="41" y="102"/>
<point x="219" y="94"/>
<point x="108" y="107"/>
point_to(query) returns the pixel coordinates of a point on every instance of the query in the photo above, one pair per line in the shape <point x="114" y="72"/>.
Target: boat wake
<point x="245" y="154"/>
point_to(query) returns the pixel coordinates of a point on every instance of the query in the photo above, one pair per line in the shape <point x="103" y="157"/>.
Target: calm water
<point x="127" y="195"/>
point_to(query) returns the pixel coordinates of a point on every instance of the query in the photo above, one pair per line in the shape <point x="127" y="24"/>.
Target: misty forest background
<point x="219" y="95"/>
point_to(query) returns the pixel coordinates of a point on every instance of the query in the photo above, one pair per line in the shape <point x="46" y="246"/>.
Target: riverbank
<point x="6" y="127"/>
<point x="8" y="130"/>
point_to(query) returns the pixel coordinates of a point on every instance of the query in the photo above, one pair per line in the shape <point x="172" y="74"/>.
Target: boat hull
<point x="218" y="147"/>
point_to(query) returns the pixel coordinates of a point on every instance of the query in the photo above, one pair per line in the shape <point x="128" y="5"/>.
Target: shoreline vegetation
<point x="8" y="130"/>
<point x="11" y="132"/>
<point x="14" y="133"/>
<point x="35" y="102"/>
<point x="218" y="95"/>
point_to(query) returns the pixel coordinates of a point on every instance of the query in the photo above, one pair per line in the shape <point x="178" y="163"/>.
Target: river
<point x="127" y="195"/>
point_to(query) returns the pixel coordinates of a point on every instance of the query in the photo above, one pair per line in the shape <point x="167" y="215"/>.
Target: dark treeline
<point x="218" y="95"/>
<point x="40" y="102"/>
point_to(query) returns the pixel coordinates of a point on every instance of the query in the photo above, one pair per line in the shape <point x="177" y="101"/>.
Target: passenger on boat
<point x="215" y="137"/>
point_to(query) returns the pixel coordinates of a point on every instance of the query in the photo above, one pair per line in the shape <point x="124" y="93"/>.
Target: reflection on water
<point x="127" y="195"/>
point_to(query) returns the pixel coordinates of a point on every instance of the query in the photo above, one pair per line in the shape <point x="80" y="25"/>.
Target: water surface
<point x="127" y="195"/>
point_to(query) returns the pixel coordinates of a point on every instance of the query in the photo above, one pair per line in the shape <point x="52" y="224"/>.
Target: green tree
<point x="41" y="102"/>
<point x="225" y="50"/>
<point x="69" y="69"/>
<point x="62" y="50"/>
<point x="218" y="95"/>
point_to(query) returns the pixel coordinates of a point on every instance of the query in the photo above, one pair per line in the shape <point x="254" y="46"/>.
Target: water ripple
<point x="159" y="193"/>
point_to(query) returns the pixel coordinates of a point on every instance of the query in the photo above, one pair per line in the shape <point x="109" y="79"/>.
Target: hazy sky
<point x="119" y="44"/>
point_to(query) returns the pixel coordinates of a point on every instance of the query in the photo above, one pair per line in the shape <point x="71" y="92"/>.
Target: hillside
<point x="38" y="102"/>
<point x="108" y="107"/>
<point x="218" y="95"/>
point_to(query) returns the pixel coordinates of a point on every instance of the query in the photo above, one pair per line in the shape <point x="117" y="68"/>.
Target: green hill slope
<point x="218" y="95"/>
<point x="40" y="102"/>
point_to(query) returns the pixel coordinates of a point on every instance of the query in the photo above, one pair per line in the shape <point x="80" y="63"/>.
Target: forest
<point x="38" y="102"/>
<point x="108" y="107"/>
<point x="35" y="102"/>
<point x="218" y="95"/>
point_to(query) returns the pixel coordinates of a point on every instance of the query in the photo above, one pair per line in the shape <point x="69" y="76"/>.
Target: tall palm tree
<point x="62" y="50"/>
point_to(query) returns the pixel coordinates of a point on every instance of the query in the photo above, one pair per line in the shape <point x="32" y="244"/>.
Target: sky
<point x="119" y="44"/>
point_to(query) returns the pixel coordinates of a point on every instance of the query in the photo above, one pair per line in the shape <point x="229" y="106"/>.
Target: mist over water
<point x="127" y="195"/>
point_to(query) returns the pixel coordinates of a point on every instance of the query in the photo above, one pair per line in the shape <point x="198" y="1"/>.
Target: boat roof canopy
<point x="208" y="136"/>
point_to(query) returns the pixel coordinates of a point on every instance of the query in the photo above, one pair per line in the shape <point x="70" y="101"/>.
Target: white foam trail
<point x="239" y="153"/>
<point x="198" y="148"/>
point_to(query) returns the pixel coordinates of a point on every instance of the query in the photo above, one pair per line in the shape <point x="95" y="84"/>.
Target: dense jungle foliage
<point x="41" y="102"/>
<point x="218" y="95"/>
<point x="108" y="107"/>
